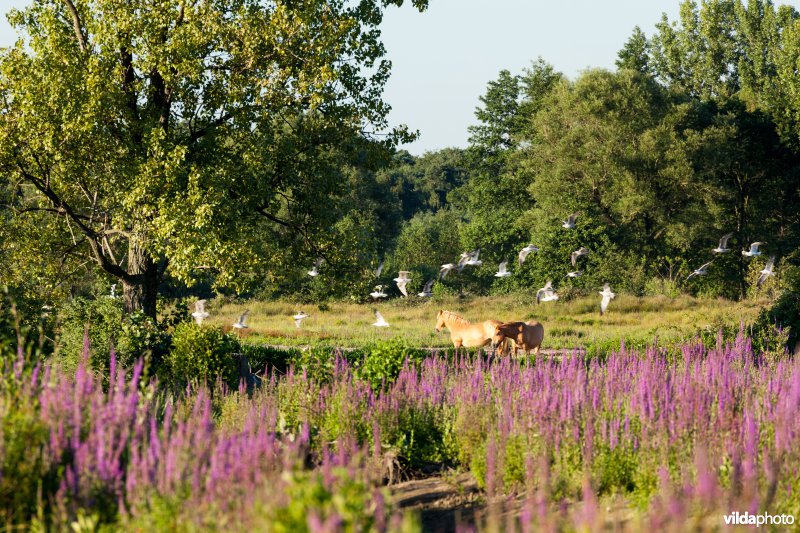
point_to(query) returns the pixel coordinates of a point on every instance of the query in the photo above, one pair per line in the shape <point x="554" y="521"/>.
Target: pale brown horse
<point x="465" y="333"/>
<point x="526" y="335"/>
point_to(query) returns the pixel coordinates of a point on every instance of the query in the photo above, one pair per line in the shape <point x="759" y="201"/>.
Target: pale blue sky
<point x="443" y="58"/>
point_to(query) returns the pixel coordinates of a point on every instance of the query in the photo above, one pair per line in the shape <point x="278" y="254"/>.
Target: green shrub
<point x="383" y="361"/>
<point x="263" y="358"/>
<point x="662" y="286"/>
<point x="140" y="336"/>
<point x="131" y="335"/>
<point x="514" y="474"/>
<point x="24" y="464"/>
<point x="349" y="499"/>
<point x="778" y="327"/>
<point x="421" y="437"/>
<point x="202" y="353"/>
<point x="615" y="470"/>
<point x="318" y="363"/>
<point x="478" y="465"/>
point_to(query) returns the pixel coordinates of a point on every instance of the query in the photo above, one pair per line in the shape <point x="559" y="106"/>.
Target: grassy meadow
<point x="568" y="323"/>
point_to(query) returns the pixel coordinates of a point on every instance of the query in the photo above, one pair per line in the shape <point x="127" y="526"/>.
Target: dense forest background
<point x="694" y="135"/>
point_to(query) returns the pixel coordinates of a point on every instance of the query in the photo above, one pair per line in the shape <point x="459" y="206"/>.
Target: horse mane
<point x="455" y="317"/>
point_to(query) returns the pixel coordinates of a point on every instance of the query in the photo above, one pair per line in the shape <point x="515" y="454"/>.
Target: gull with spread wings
<point x="546" y="293"/>
<point x="427" y="290"/>
<point x="402" y="280"/>
<point x="607" y="297"/>
<point x="767" y="272"/>
<point x="380" y="322"/>
<point x="502" y="271"/>
<point x="314" y="272"/>
<point x="523" y="254"/>
<point x="242" y="322"/>
<point x="299" y="317"/>
<point x="570" y="222"/>
<point x="200" y="313"/>
<point x="723" y="244"/>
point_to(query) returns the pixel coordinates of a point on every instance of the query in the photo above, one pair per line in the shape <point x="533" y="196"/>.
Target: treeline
<point x="695" y="134"/>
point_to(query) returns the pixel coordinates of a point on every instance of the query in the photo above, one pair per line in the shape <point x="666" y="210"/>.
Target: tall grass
<point x="568" y="323"/>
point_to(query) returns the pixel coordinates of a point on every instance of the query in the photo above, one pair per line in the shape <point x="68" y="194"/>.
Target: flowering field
<point x="666" y="441"/>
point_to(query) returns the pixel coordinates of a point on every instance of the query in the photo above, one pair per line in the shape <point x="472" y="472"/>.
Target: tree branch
<point x="76" y="25"/>
<point x="197" y="134"/>
<point x="277" y="220"/>
<point x="93" y="237"/>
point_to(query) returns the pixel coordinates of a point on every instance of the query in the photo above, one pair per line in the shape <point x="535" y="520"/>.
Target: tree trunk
<point x="140" y="293"/>
<point x="741" y="221"/>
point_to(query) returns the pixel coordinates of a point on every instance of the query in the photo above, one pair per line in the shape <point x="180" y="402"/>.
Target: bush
<point x="132" y="336"/>
<point x="266" y="357"/>
<point x="202" y="353"/>
<point x="778" y="328"/>
<point x="383" y="361"/>
<point x="318" y="362"/>
<point x="615" y="469"/>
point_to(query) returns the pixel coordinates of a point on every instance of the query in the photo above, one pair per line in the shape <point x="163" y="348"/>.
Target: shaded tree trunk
<point x="141" y="289"/>
<point x="741" y="222"/>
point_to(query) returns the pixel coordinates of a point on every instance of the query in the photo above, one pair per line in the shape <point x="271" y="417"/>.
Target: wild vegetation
<point x="155" y="154"/>
<point x="569" y="324"/>
<point x="687" y="436"/>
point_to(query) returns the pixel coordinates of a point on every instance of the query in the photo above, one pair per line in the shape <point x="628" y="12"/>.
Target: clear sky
<point x="443" y="58"/>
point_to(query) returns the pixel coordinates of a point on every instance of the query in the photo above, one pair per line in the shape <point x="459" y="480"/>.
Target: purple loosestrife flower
<point x="588" y="513"/>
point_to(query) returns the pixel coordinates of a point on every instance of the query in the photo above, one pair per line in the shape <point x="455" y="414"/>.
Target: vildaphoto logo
<point x="758" y="520"/>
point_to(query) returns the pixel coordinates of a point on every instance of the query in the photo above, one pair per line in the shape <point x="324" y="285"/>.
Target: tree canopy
<point x="175" y="136"/>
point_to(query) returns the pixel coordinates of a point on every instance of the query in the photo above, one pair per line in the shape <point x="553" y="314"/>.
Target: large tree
<point x="725" y="49"/>
<point x="169" y="134"/>
<point x="496" y="193"/>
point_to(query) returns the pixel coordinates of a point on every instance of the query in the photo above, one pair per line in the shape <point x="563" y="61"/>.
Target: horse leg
<point x="502" y="347"/>
<point x="457" y="343"/>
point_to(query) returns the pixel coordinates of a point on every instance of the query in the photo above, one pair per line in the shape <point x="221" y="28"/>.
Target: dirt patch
<point x="443" y="502"/>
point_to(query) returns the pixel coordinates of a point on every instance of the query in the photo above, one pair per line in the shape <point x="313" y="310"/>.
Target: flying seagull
<point x="501" y="270"/>
<point x="546" y="293"/>
<point x="402" y="280"/>
<point x="445" y="269"/>
<point x="462" y="261"/>
<point x="380" y="322"/>
<point x="723" y="244"/>
<point x="474" y="261"/>
<point x="523" y="254"/>
<point x="699" y="272"/>
<point x="200" y="311"/>
<point x="299" y="317"/>
<point x="377" y="292"/>
<point x="570" y="222"/>
<point x="607" y="297"/>
<point x="577" y="253"/>
<point x="427" y="290"/>
<point x="242" y="322"/>
<point x="767" y="272"/>
<point x="379" y="270"/>
<point x="470" y="259"/>
<point x="754" y="251"/>
<point x="314" y="272"/>
<point x="575" y="274"/>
